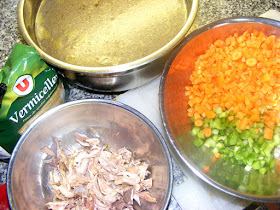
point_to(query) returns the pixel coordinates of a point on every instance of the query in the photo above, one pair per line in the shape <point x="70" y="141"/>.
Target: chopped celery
<point x="277" y="130"/>
<point x="232" y="160"/>
<point x="253" y="131"/>
<point x="245" y="142"/>
<point x="256" y="149"/>
<point x="239" y="142"/>
<point x="260" y="125"/>
<point x="251" y="142"/>
<point x="250" y="160"/>
<point x="238" y="130"/>
<point x="216" y="138"/>
<point x="236" y="149"/>
<point x="234" y="137"/>
<point x="264" y="145"/>
<point x="209" y="143"/>
<point x="222" y="132"/>
<point x="201" y="135"/>
<point x="272" y="163"/>
<point x="207" y="121"/>
<point x="205" y="125"/>
<point x="223" y="115"/>
<point x="230" y="112"/>
<point x="276" y="139"/>
<point x="222" y="138"/>
<point x="215" y="131"/>
<point x="195" y="130"/>
<point x="217" y="124"/>
<point x="262" y="170"/>
<point x="256" y="165"/>
<point x="215" y="150"/>
<point x="198" y="142"/>
<point x="232" y="124"/>
<point x="218" y="110"/>
<point x="211" y="124"/>
<point x="260" y="141"/>
<point x="245" y="134"/>
<point x="220" y="145"/>
<point x="247" y="147"/>
<point x="248" y="167"/>
<point x="255" y="125"/>
<point x="228" y="132"/>
<point x="226" y="142"/>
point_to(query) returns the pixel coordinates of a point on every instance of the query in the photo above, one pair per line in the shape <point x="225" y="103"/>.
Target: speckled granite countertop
<point x="209" y="11"/>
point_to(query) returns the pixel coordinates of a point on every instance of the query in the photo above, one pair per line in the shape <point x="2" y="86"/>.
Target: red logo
<point x="23" y="85"/>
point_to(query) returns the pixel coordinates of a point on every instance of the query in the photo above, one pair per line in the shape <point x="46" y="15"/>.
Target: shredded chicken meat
<point x="92" y="177"/>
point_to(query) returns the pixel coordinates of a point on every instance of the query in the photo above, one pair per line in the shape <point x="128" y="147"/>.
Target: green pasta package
<point x="28" y="87"/>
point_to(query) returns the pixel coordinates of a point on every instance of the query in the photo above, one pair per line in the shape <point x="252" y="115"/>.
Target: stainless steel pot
<point x="113" y="78"/>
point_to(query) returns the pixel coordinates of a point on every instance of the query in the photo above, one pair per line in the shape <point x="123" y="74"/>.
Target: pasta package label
<point x="28" y="88"/>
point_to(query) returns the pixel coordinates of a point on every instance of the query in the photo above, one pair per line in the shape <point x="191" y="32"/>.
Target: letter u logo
<point x="23" y="85"/>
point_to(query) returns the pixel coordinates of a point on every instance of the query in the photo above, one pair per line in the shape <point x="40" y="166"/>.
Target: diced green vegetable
<point x="246" y="147"/>
<point x="218" y="110"/>
<point x="195" y="130"/>
<point x="256" y="165"/>
<point x="223" y="115"/>
<point x="198" y="142"/>
<point x="209" y="143"/>
<point x="201" y="135"/>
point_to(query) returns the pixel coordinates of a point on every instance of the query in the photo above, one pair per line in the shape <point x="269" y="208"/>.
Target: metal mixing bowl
<point x="119" y="126"/>
<point x="113" y="78"/>
<point x="232" y="179"/>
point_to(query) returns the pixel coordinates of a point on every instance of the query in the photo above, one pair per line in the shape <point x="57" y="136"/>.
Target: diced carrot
<point x="214" y="159"/>
<point x="251" y="62"/>
<point x="206" y="169"/>
<point x="217" y="155"/>
<point x="236" y="55"/>
<point x="240" y="115"/>
<point x="228" y="105"/>
<point x="266" y="88"/>
<point x="198" y="122"/>
<point x="268" y="133"/>
<point x="269" y="123"/>
<point x="196" y="116"/>
<point x="210" y="114"/>
<point x="255" y="117"/>
<point x="230" y="118"/>
<point x="240" y="73"/>
<point x="265" y="77"/>
<point x="207" y="132"/>
<point x="243" y="123"/>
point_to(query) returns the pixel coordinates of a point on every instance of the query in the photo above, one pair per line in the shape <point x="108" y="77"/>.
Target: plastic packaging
<point x="28" y="87"/>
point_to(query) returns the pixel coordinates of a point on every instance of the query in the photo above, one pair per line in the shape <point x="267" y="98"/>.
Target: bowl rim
<point x="52" y="111"/>
<point x="110" y="69"/>
<point x="178" y="154"/>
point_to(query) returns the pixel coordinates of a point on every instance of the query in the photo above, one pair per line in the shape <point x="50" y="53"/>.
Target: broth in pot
<point x="98" y="33"/>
